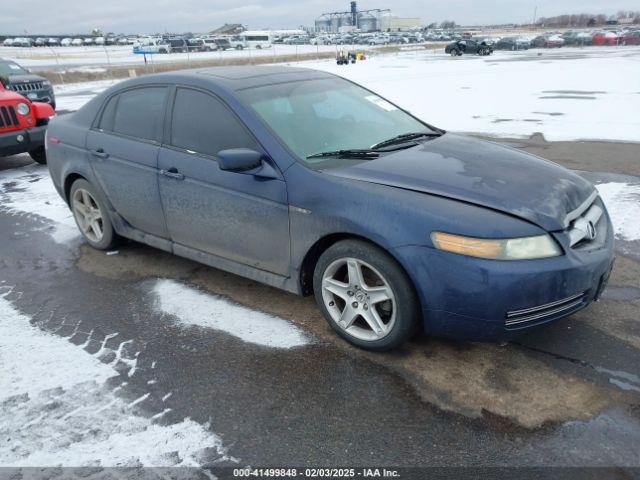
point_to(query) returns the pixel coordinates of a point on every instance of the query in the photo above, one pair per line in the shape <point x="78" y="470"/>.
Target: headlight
<point x="525" y="248"/>
<point x="23" y="108"/>
<point x="46" y="83"/>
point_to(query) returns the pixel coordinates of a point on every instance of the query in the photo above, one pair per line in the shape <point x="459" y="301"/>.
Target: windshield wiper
<point x="352" y="153"/>
<point x="404" y="137"/>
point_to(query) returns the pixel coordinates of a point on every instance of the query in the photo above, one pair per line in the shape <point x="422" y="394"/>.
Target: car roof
<point x="243" y="77"/>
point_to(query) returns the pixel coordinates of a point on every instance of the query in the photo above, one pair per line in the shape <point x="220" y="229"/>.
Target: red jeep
<point x="22" y="125"/>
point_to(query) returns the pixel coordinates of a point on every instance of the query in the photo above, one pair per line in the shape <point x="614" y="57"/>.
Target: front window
<point x="11" y="68"/>
<point x="326" y="115"/>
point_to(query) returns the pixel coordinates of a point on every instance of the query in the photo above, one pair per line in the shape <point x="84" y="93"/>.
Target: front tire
<point x="366" y="296"/>
<point x="39" y="155"/>
<point x="91" y="216"/>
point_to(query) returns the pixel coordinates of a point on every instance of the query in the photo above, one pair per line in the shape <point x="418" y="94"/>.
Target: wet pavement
<point x="565" y="395"/>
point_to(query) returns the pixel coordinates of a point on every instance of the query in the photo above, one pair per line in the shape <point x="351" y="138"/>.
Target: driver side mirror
<point x="245" y="160"/>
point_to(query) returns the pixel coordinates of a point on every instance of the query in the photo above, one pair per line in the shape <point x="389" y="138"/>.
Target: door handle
<point x="172" y="173"/>
<point x="100" y="153"/>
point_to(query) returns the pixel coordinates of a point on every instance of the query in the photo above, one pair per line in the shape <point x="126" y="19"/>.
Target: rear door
<point x="123" y="147"/>
<point x="232" y="215"/>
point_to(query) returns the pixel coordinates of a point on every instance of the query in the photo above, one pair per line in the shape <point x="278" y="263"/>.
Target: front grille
<point x="587" y="227"/>
<point x="27" y="87"/>
<point x="548" y="310"/>
<point x="8" y="117"/>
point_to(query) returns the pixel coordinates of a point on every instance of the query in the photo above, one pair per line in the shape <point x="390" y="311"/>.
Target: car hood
<point x="482" y="173"/>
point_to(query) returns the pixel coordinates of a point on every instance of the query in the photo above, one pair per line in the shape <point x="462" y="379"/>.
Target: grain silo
<point x="367" y="22"/>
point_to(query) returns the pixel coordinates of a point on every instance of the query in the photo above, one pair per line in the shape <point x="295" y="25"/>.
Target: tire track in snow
<point x="56" y="408"/>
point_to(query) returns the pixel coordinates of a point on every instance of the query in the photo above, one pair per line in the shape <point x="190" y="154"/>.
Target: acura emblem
<point x="591" y="231"/>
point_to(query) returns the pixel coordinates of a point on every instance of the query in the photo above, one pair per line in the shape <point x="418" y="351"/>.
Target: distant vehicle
<point x="40" y="42"/>
<point x="547" y="41"/>
<point x="606" y="38"/>
<point x="22" y="42"/>
<point x="76" y="42"/>
<point x="124" y="41"/>
<point x="8" y="42"/>
<point x="177" y="44"/>
<point x="222" y="44"/>
<point x="296" y="40"/>
<point x="257" y="39"/>
<point x="631" y="38"/>
<point x="576" y="37"/>
<point x="22" y="124"/>
<point x="379" y="40"/>
<point x="20" y="80"/>
<point x="99" y="41"/>
<point x="512" y="43"/>
<point x="53" y="42"/>
<point x="238" y="42"/>
<point x="151" y="45"/>
<point x="66" y="42"/>
<point x="198" y="45"/>
<point x="88" y="41"/>
<point x="470" y="47"/>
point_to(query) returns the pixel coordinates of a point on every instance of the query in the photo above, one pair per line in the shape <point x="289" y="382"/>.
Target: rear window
<point x="136" y="113"/>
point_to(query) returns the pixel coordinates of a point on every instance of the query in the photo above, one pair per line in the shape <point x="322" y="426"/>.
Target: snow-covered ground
<point x="194" y="308"/>
<point x="93" y="58"/>
<point x="57" y="409"/>
<point x="565" y="94"/>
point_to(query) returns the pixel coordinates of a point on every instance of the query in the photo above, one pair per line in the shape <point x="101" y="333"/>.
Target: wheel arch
<point x="308" y="265"/>
<point x="69" y="181"/>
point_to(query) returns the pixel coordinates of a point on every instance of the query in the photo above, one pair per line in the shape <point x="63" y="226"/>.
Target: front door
<point x="123" y="150"/>
<point x="235" y="216"/>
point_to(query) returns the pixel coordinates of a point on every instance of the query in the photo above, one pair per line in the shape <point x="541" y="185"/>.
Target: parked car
<point x="198" y="45"/>
<point x="577" y="38"/>
<point x="18" y="79"/>
<point x="223" y="44"/>
<point x="53" y="42"/>
<point x="8" y="42"/>
<point x="40" y="42"/>
<point x="631" y="38"/>
<point x="22" y="125"/>
<point x="308" y="182"/>
<point x="22" y="42"/>
<point x="512" y="43"/>
<point x="66" y="42"/>
<point x="547" y="41"/>
<point x="606" y="38"/>
<point x="177" y="44"/>
<point x="77" y="42"/>
<point x="471" y="47"/>
<point x="151" y="45"/>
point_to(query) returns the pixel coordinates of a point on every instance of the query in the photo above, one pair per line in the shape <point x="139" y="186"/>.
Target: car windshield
<point x="326" y="115"/>
<point x="9" y="68"/>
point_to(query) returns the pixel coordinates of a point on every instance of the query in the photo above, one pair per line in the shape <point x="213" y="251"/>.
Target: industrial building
<point x="371" y="20"/>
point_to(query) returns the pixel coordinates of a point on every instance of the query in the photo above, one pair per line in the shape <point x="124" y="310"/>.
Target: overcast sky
<point x="147" y="16"/>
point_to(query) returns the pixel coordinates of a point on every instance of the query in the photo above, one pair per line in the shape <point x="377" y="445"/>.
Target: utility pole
<point x="535" y="14"/>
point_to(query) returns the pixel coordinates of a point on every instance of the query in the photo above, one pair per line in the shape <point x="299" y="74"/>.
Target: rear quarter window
<point x="136" y="113"/>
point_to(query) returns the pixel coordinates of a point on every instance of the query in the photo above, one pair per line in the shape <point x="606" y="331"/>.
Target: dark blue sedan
<point x="310" y="183"/>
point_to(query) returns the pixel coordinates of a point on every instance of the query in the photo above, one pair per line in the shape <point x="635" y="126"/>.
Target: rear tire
<point x="366" y="296"/>
<point x="39" y="155"/>
<point x="90" y="214"/>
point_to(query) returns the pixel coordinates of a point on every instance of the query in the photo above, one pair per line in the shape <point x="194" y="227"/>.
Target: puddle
<point x="623" y="380"/>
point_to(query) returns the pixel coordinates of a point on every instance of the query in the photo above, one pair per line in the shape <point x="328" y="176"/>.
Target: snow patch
<point x="193" y="307"/>
<point x="30" y="191"/>
<point x="57" y="410"/>
<point x="499" y="95"/>
<point x="623" y="203"/>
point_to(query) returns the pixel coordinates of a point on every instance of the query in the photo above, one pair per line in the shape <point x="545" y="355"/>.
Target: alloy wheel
<point x="88" y="215"/>
<point x="359" y="299"/>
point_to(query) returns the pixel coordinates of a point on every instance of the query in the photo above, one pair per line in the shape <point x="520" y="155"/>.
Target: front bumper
<point x="486" y="300"/>
<point x="20" y="141"/>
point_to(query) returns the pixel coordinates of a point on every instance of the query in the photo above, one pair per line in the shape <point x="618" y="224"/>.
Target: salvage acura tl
<point x="305" y="181"/>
